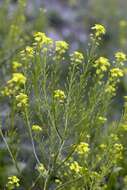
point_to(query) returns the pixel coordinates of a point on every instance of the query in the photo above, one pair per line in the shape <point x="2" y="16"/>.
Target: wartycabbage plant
<point x="62" y="101"/>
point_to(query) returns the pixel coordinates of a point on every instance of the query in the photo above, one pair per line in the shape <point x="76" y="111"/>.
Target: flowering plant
<point x="62" y="100"/>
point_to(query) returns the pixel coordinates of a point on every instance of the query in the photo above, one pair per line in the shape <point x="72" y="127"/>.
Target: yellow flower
<point x="22" y="100"/>
<point x="111" y="89"/>
<point x="41" y="39"/>
<point x="120" y="57"/>
<point x="77" y="57"/>
<point x="60" y="49"/>
<point x="116" y="73"/>
<point x="16" y="65"/>
<point x="13" y="182"/>
<point x="74" y="166"/>
<point x="36" y="128"/>
<point x="102" y="64"/>
<point x="59" y="95"/>
<point x="28" y="52"/>
<point x="82" y="148"/>
<point x="39" y="36"/>
<point x="117" y="152"/>
<point x="118" y="147"/>
<point x="99" y="30"/>
<point x="114" y="78"/>
<point x="7" y="91"/>
<point x="14" y="84"/>
<point x="41" y="169"/>
<point x="17" y="78"/>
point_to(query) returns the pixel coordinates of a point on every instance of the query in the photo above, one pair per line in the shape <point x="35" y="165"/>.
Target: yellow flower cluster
<point x="101" y="64"/>
<point x="36" y="128"/>
<point x="114" y="78"/>
<point x="7" y="91"/>
<point x="42" y="40"/>
<point x="60" y="49"/>
<point x="42" y="170"/>
<point x="116" y="73"/>
<point x="120" y="57"/>
<point x="59" y="95"/>
<point x="13" y="182"/>
<point x="27" y="53"/>
<point x="111" y="89"/>
<point x="117" y="152"/>
<point x="22" y="100"/>
<point x="18" y="79"/>
<point x="74" y="166"/>
<point x="99" y="30"/>
<point x="16" y="65"/>
<point x="77" y="57"/>
<point x="82" y="148"/>
<point x="14" y="84"/>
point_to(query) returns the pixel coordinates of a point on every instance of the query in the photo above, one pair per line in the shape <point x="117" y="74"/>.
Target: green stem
<point x="46" y="184"/>
<point x="10" y="152"/>
<point x="68" y="183"/>
<point x="31" y="137"/>
<point x="12" y="116"/>
<point x="67" y="107"/>
<point x="35" y="182"/>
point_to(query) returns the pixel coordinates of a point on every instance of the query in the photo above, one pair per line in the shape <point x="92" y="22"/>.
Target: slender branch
<point x="35" y="182"/>
<point x="31" y="136"/>
<point x="68" y="183"/>
<point x="9" y="150"/>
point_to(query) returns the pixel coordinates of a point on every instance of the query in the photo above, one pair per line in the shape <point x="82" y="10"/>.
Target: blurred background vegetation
<point x="68" y="20"/>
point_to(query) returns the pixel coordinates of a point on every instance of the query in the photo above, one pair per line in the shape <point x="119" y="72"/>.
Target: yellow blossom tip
<point x="99" y="30"/>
